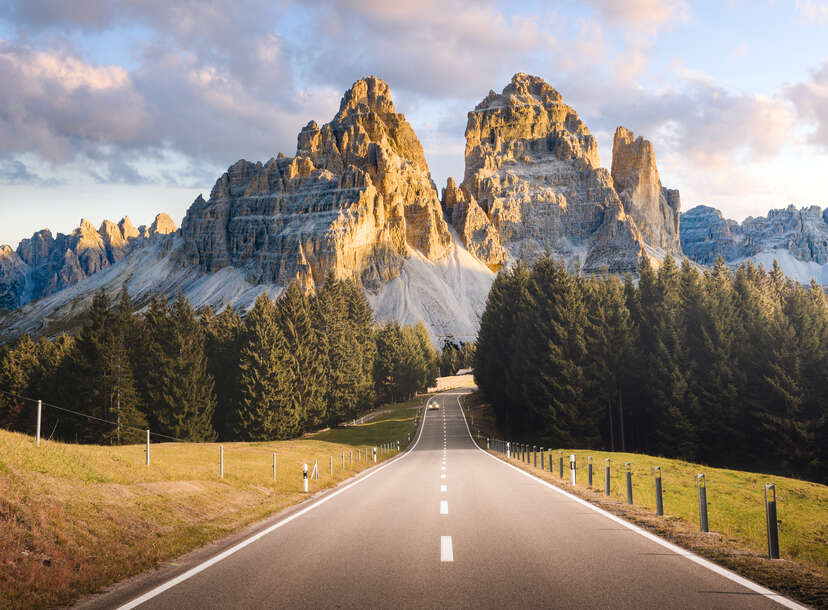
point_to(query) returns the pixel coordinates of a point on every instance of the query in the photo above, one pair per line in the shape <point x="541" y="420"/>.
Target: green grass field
<point x="75" y="518"/>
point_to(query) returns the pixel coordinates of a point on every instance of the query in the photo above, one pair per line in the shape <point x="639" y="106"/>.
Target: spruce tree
<point x="262" y="412"/>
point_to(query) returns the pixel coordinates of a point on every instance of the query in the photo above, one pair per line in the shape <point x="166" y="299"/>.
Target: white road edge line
<point x="748" y="584"/>
<point x="443" y="507"/>
<point x="446" y="552"/>
<point x="224" y="555"/>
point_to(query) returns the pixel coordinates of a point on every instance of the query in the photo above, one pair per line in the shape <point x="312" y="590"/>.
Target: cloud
<point x="811" y="101"/>
<point x="813" y="11"/>
<point x="641" y="14"/>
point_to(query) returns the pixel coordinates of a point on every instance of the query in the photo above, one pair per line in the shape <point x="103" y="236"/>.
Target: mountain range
<point x="357" y="200"/>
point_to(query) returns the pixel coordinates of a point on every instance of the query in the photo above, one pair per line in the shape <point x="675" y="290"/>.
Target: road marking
<point x="772" y="595"/>
<point x="443" y="507"/>
<point x="443" y="488"/>
<point x="442" y="476"/>
<point x="444" y="467"/>
<point x="248" y="541"/>
<point x="446" y="552"/>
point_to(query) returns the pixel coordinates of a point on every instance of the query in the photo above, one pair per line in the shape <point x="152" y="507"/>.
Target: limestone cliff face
<point x="803" y="232"/>
<point x="43" y="264"/>
<point x="532" y="168"/>
<point x="654" y="208"/>
<point x="473" y="226"/>
<point x="355" y="198"/>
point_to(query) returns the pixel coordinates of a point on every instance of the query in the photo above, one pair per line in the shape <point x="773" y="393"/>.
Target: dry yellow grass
<point x="74" y="518"/>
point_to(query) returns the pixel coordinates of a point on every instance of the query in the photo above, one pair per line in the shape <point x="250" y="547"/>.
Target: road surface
<point x="443" y="525"/>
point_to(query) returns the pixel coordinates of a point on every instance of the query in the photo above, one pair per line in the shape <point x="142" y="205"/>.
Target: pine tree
<point x="223" y="336"/>
<point x="303" y="375"/>
<point x="262" y="413"/>
<point x="179" y="389"/>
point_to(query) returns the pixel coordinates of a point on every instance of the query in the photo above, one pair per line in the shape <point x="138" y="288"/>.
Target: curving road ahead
<point x="444" y="525"/>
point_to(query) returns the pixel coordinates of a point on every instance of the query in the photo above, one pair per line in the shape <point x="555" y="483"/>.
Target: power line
<point x="87" y="416"/>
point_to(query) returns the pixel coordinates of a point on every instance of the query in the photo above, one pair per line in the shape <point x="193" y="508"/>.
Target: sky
<point x="134" y="107"/>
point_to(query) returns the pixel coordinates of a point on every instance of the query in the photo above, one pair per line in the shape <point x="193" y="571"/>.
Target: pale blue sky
<point x="134" y="107"/>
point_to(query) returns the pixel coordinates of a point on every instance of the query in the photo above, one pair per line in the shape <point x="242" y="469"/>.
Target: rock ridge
<point x="44" y="264"/>
<point x="354" y="200"/>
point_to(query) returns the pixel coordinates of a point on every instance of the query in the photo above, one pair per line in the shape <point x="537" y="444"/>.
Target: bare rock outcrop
<point x="355" y="198"/>
<point x="802" y="232"/>
<point x="654" y="208"/>
<point x="43" y="264"/>
<point x="532" y="166"/>
<point x="473" y="226"/>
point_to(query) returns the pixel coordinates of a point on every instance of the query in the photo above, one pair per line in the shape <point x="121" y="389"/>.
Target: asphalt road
<point x="444" y="525"/>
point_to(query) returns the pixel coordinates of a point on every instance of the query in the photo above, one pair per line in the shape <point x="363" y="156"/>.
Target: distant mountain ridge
<point x="796" y="237"/>
<point x="42" y="264"/>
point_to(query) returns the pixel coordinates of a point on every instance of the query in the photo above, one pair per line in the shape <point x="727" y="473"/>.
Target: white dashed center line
<point x="443" y="488"/>
<point x="443" y="507"/>
<point x="446" y="552"/>
<point x="442" y="476"/>
<point x="443" y="467"/>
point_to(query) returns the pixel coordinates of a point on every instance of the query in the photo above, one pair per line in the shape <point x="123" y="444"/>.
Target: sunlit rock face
<point x="355" y="200"/>
<point x="802" y="232"/>
<point x="43" y="264"/>
<point x="532" y="168"/>
<point x="654" y="208"/>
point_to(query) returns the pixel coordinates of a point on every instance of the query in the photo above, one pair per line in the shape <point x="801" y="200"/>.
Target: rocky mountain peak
<point x="654" y="209"/>
<point x="527" y="117"/>
<point x="162" y="225"/>
<point x="369" y="94"/>
<point x="532" y="171"/>
<point x="355" y="198"/>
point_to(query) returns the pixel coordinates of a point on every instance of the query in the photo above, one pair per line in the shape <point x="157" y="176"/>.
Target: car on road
<point x="432" y="406"/>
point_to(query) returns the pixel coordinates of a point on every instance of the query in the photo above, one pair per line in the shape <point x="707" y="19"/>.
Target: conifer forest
<point x="726" y="368"/>
<point x="293" y="364"/>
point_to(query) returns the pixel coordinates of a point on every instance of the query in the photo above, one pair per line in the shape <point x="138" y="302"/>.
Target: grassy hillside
<point x="736" y="510"/>
<point x="74" y="518"/>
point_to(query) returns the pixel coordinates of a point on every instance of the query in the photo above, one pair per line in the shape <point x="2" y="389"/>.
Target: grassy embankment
<point x="736" y="511"/>
<point x="75" y="518"/>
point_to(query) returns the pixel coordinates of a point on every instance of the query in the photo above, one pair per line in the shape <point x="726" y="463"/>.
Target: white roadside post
<point x="305" y="476"/>
<point x="508" y="449"/>
<point x="375" y="455"/>
<point x="572" y="467"/>
<point x="147" y="446"/>
<point x="39" y="411"/>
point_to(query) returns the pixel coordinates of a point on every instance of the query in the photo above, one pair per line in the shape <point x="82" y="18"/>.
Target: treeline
<point x="724" y="368"/>
<point x="454" y="357"/>
<point x="291" y="365"/>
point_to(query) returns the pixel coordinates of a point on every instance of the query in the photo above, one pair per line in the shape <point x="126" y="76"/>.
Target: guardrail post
<point x="589" y="471"/>
<point x="560" y="464"/>
<point x="541" y="458"/>
<point x="658" y="491"/>
<point x="551" y="470"/>
<point x="572" y="467"/>
<point x="607" y="477"/>
<point x="535" y="456"/>
<point x="221" y="461"/>
<point x="39" y="412"/>
<point x="702" y="484"/>
<point x="770" y="518"/>
<point x="305" y="477"/>
<point x="628" y="475"/>
<point x="148" y="448"/>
